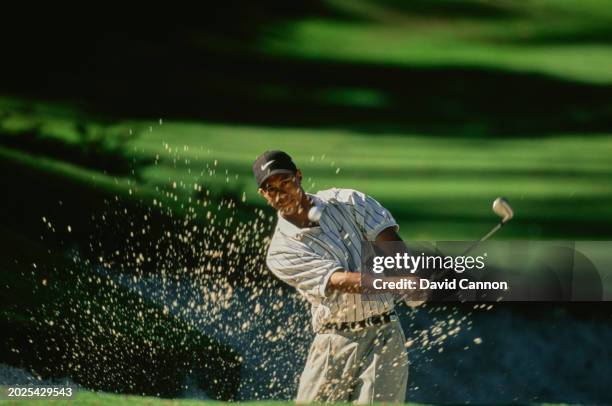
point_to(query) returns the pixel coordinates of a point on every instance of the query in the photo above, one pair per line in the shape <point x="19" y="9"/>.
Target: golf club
<point x="502" y="208"/>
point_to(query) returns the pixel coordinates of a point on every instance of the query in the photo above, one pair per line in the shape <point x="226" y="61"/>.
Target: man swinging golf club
<point x="358" y="353"/>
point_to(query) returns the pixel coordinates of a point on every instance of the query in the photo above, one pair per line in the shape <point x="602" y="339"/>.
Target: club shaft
<point x="490" y="233"/>
<point x="485" y="237"/>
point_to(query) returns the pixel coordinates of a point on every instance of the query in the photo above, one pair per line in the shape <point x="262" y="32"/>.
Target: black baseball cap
<point x="271" y="163"/>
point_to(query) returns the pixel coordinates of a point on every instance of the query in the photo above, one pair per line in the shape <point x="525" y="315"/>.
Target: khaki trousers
<point x="366" y="366"/>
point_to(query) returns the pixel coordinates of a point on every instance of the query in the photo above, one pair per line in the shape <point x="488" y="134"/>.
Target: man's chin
<point x="287" y="210"/>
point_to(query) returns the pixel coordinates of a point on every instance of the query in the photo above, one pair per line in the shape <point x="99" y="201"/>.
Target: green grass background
<point x="436" y="187"/>
<point x="439" y="187"/>
<point x="515" y="101"/>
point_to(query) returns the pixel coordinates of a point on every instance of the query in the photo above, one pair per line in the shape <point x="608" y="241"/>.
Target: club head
<point x="502" y="208"/>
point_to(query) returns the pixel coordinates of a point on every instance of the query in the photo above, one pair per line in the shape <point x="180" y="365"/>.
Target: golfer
<point x="358" y="353"/>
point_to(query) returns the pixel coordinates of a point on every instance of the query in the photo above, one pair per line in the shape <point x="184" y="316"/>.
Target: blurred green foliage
<point x="433" y="107"/>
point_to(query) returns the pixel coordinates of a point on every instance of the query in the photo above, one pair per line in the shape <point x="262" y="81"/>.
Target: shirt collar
<point x="291" y="230"/>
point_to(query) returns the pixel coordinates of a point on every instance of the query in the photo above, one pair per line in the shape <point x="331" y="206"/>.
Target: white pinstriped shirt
<point x="305" y="258"/>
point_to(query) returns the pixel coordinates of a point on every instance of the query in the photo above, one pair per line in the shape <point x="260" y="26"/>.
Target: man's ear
<point x="298" y="176"/>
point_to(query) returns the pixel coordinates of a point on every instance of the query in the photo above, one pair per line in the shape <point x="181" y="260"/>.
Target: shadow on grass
<point x="435" y="100"/>
<point x="92" y="152"/>
<point x="212" y="68"/>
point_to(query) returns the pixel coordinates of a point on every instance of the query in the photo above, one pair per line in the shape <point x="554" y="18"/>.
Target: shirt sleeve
<point x="371" y="216"/>
<point x="303" y="269"/>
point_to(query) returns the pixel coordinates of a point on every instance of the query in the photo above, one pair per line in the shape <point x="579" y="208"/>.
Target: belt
<point x="377" y="320"/>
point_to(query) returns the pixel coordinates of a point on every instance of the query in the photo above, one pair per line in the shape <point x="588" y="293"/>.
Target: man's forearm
<point x="351" y="282"/>
<point x="345" y="282"/>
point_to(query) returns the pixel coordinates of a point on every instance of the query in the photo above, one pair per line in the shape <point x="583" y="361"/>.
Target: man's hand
<point x="352" y="282"/>
<point x="388" y="234"/>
